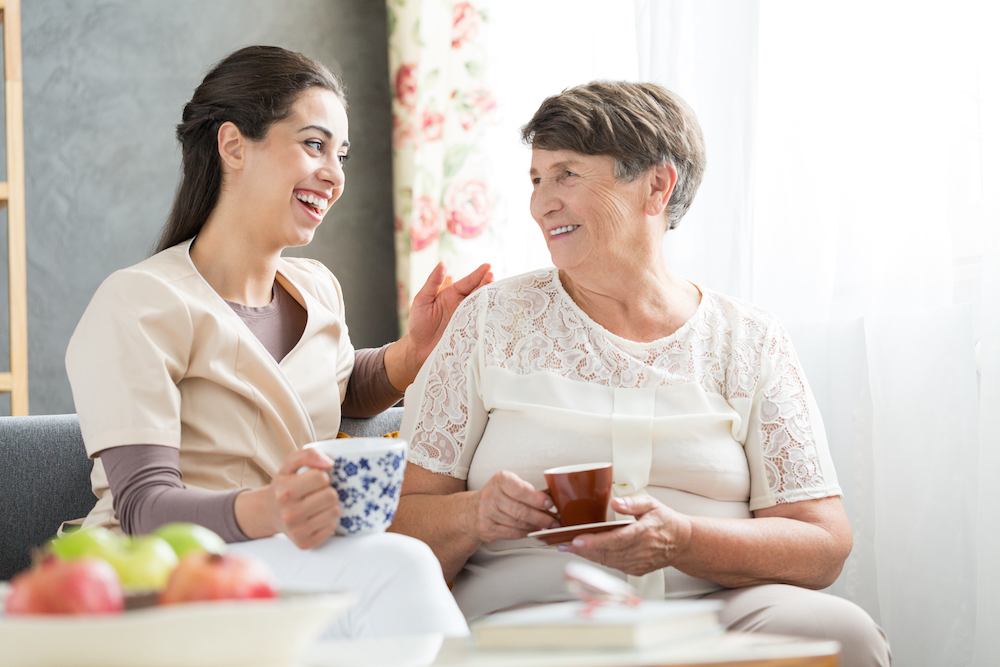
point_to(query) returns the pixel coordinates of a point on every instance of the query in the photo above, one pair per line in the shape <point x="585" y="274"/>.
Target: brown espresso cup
<point x="580" y="492"/>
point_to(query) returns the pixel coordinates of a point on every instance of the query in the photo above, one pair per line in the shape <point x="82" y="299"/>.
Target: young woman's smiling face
<point x="296" y="172"/>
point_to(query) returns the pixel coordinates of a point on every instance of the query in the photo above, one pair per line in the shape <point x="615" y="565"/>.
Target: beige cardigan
<point x="159" y="358"/>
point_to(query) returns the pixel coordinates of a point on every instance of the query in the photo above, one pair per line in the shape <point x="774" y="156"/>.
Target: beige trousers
<point x="790" y="610"/>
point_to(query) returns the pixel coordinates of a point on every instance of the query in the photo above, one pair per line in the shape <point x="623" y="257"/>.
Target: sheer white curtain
<point x="853" y="170"/>
<point x="872" y="223"/>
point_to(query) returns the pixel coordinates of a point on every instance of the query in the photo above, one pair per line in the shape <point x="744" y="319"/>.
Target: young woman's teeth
<point x="317" y="203"/>
<point x="562" y="230"/>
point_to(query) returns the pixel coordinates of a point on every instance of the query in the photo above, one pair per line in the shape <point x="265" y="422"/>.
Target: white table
<point x="728" y="650"/>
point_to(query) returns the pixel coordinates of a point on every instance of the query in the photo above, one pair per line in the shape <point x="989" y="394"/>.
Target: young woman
<point x="200" y="373"/>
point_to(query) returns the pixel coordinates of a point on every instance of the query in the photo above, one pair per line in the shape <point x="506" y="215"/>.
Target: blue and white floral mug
<point x="367" y="474"/>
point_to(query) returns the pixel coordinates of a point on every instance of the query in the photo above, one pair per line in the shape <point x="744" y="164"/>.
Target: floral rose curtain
<point x="442" y="107"/>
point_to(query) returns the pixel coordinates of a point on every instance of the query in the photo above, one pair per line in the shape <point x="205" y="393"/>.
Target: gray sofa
<point x="45" y="477"/>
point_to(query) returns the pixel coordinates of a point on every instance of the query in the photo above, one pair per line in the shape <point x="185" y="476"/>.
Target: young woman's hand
<point x="430" y="313"/>
<point x="301" y="505"/>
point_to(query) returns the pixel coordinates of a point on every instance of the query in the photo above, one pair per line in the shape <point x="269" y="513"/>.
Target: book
<point x="569" y="625"/>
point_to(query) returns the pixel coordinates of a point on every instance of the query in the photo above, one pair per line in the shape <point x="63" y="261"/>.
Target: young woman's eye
<point x="343" y="159"/>
<point x="315" y="144"/>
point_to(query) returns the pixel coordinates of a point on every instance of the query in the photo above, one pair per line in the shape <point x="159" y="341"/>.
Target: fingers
<point x="510" y="508"/>
<point x="313" y="520"/>
<point x="516" y="488"/>
<point x="435" y="281"/>
<point x="470" y="283"/>
<point x="635" y="505"/>
<point x="307" y="506"/>
<point x="311" y="458"/>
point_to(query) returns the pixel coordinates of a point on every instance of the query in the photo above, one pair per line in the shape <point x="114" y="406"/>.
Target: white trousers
<point x="397" y="580"/>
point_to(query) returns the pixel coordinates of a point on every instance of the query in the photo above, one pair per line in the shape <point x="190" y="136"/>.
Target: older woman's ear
<point x="662" y="179"/>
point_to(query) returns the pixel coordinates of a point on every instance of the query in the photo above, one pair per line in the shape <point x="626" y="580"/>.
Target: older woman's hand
<point x="508" y="508"/>
<point x="651" y="543"/>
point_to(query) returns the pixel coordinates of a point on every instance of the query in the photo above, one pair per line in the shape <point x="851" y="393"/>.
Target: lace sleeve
<point x="445" y="416"/>
<point x="786" y="439"/>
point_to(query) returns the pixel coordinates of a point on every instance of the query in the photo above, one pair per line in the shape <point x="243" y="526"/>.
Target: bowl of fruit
<point x="174" y="597"/>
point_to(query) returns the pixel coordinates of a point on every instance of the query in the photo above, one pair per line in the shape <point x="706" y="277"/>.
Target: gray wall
<point x="104" y="84"/>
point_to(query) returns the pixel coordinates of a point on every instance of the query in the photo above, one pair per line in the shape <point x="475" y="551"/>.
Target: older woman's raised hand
<point x="508" y="508"/>
<point x="652" y="542"/>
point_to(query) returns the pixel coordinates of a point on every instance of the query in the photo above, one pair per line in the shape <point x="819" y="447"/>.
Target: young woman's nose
<point x="332" y="171"/>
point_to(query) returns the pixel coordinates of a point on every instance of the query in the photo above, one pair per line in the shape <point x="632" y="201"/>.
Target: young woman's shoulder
<point x="313" y="276"/>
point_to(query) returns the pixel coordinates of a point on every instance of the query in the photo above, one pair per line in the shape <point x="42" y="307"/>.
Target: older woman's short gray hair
<point x="640" y="125"/>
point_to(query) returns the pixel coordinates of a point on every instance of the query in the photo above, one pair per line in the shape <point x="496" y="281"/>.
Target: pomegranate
<point x="54" y="586"/>
<point x="210" y="576"/>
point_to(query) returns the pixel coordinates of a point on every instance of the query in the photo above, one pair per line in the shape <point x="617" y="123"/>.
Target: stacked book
<point x="582" y="625"/>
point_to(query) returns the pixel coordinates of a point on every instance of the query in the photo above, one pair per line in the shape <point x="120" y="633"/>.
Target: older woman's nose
<point x="544" y="200"/>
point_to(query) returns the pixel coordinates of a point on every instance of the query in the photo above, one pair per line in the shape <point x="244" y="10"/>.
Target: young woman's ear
<point x="661" y="186"/>
<point x="232" y="146"/>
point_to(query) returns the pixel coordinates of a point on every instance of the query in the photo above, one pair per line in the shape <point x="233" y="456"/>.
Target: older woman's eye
<point x="536" y="180"/>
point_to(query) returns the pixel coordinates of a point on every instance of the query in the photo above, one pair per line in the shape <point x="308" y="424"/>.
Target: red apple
<point x="209" y="576"/>
<point x="55" y="586"/>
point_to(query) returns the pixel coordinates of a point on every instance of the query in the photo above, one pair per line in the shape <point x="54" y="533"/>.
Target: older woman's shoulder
<point x="532" y="284"/>
<point x="736" y="315"/>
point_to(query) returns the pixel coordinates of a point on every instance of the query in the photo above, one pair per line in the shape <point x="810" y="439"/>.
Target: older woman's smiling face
<point x="589" y="219"/>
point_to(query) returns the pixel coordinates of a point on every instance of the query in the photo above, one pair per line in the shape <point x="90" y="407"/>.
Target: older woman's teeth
<point x="317" y="203"/>
<point x="562" y="230"/>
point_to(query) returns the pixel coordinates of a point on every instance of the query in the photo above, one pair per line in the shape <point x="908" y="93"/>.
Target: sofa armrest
<point x="45" y="477"/>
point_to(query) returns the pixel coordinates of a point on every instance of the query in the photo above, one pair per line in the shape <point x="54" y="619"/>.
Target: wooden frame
<point x="12" y="196"/>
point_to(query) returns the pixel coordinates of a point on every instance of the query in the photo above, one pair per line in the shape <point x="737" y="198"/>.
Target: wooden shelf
<point x="12" y="197"/>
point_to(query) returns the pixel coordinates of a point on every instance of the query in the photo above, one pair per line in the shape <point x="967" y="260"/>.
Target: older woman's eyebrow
<point x="559" y="166"/>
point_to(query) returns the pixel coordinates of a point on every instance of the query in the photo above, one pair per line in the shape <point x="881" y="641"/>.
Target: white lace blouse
<point x="713" y="420"/>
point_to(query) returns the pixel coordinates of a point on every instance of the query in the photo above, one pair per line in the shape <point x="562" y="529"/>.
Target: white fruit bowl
<point x="244" y="633"/>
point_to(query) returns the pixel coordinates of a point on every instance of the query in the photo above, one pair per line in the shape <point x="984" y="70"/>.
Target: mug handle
<point x="554" y="511"/>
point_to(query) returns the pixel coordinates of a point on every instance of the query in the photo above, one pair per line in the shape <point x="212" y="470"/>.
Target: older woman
<point x="698" y="399"/>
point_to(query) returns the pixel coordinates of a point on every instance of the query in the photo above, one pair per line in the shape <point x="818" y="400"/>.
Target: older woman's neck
<point x="638" y="302"/>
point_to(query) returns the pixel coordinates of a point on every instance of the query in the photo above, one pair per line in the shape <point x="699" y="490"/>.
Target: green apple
<point x="188" y="537"/>
<point x="144" y="563"/>
<point x="96" y="541"/>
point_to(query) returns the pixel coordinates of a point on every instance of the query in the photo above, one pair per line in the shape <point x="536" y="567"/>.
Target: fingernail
<point x="562" y="547"/>
<point x="578" y="542"/>
<point x="554" y="524"/>
<point x="625" y="502"/>
<point x="546" y="503"/>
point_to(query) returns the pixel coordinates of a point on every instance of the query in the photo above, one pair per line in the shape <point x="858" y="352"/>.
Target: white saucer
<point x="567" y="533"/>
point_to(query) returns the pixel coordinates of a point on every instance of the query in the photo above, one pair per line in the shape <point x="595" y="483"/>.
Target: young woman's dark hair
<point x="253" y="88"/>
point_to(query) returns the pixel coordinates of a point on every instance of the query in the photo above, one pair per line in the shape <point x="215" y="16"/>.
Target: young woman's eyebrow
<point x="318" y="128"/>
